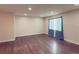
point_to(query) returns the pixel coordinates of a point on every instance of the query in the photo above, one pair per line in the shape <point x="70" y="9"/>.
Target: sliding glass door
<point x="55" y="28"/>
<point x="51" y="27"/>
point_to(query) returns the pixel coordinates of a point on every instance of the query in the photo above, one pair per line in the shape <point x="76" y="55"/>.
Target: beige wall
<point x="70" y="24"/>
<point x="35" y="25"/>
<point x="6" y="27"/>
<point x="28" y="26"/>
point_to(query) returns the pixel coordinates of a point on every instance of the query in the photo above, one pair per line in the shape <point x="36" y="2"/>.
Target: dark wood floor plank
<point x="38" y="44"/>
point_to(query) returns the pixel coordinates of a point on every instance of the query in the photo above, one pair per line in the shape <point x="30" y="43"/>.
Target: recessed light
<point x="29" y="9"/>
<point x="25" y="14"/>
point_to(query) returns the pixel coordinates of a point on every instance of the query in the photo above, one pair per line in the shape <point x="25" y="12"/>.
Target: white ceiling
<point x="41" y="10"/>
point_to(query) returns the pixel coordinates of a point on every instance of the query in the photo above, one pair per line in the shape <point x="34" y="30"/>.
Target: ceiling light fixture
<point x="25" y="14"/>
<point x="29" y="9"/>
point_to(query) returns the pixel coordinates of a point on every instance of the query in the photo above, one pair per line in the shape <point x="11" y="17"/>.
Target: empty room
<point x="39" y="28"/>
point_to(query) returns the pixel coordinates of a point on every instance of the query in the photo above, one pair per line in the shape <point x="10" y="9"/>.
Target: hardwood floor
<point x="38" y="44"/>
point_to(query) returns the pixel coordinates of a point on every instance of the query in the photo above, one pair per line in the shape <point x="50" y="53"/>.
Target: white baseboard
<point x="29" y="34"/>
<point x="7" y="40"/>
<point x="72" y="41"/>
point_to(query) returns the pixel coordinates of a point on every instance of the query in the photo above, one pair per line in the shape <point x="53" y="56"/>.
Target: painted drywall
<point x="6" y="27"/>
<point x="28" y="26"/>
<point x="70" y="24"/>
